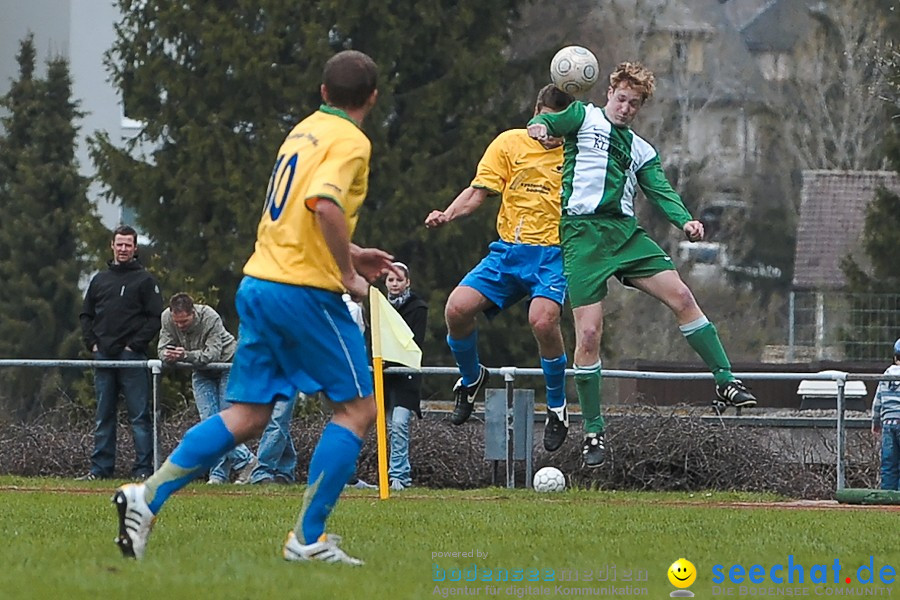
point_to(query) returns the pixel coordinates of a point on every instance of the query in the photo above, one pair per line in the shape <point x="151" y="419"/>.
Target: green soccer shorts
<point x="595" y="249"/>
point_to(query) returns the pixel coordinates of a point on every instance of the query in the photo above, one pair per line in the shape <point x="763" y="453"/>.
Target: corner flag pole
<point x="381" y="429"/>
<point x="381" y="419"/>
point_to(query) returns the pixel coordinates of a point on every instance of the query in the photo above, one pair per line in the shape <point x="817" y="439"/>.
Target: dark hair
<point x="349" y="79"/>
<point x="125" y="230"/>
<point x="181" y="303"/>
<point x="402" y="267"/>
<point x="553" y="98"/>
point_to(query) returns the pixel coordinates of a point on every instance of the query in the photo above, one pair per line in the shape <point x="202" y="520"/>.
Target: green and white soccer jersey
<point x="603" y="167"/>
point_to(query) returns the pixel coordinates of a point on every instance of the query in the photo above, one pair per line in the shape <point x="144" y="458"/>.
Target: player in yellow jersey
<point x="296" y="334"/>
<point x="525" y="262"/>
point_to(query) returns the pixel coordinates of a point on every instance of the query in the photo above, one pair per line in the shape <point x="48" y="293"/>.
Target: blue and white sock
<point x="333" y="463"/>
<point x="465" y="351"/>
<point x="555" y="379"/>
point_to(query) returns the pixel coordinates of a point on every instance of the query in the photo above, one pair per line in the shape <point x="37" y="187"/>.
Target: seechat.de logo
<point x="794" y="572"/>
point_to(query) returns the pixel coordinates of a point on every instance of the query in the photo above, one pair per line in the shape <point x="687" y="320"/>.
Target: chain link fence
<point x="842" y="327"/>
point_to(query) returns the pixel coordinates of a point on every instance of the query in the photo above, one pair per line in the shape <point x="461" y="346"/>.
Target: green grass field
<point x="225" y="543"/>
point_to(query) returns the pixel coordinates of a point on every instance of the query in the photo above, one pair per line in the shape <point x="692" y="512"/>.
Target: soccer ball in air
<point x="574" y="70"/>
<point x="549" y="479"/>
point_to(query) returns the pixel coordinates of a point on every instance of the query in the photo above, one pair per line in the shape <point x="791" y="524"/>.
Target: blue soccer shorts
<point x="511" y="272"/>
<point x="296" y="339"/>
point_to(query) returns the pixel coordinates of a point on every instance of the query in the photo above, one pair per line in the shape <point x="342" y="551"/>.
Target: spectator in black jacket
<point x="402" y="393"/>
<point x="119" y="318"/>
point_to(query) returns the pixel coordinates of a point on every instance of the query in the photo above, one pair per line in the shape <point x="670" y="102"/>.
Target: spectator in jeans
<point x="402" y="392"/>
<point x="194" y="333"/>
<point x="886" y="421"/>
<point x="120" y="316"/>
<point x="276" y="455"/>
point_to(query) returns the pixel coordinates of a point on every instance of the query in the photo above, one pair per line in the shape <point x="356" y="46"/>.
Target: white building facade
<point x="80" y="31"/>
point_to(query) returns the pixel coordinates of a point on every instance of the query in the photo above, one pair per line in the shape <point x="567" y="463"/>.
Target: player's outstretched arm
<point x="559" y="124"/>
<point x="372" y="263"/>
<point x="463" y="205"/>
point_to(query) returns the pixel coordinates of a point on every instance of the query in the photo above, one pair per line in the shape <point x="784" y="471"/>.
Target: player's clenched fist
<point x="694" y="230"/>
<point x="538" y="131"/>
<point x="436" y="218"/>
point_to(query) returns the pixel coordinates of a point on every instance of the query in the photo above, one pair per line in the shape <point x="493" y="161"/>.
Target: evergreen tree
<point x="47" y="220"/>
<point x="218" y="90"/>
<point x="447" y="90"/>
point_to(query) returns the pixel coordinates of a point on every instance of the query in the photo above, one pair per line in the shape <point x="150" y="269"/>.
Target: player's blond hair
<point x="636" y="76"/>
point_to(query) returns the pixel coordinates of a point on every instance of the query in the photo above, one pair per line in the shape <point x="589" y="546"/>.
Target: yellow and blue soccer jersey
<point x="527" y="176"/>
<point x="325" y="156"/>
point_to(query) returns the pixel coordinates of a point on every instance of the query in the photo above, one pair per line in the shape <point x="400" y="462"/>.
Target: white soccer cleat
<point x="135" y="520"/>
<point x="324" y="550"/>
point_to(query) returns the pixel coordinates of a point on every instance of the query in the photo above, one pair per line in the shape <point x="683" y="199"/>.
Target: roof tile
<point x="832" y="216"/>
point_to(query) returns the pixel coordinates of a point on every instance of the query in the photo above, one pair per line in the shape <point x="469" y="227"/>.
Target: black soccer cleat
<point x="593" y="450"/>
<point x="735" y="393"/>
<point x="465" y="397"/>
<point x="555" y="429"/>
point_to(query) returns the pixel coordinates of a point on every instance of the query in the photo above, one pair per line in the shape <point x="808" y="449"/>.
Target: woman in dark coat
<point x="402" y="392"/>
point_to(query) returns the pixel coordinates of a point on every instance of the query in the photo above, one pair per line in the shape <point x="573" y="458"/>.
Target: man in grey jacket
<point x="886" y="421"/>
<point x="194" y="333"/>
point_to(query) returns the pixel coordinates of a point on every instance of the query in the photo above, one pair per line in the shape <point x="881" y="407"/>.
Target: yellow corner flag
<point x="392" y="340"/>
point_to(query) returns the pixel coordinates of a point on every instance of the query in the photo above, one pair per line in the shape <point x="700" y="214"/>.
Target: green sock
<point x="704" y="339"/>
<point x="587" y="384"/>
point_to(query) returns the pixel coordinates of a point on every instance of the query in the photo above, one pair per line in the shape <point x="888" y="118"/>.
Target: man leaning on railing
<point x="194" y="333"/>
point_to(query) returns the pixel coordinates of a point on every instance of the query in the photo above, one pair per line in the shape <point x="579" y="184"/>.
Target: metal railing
<point x="509" y="375"/>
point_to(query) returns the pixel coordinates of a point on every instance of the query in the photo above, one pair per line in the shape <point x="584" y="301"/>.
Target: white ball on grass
<point x="549" y="479"/>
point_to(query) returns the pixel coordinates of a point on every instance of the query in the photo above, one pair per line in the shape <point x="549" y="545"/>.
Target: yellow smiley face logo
<point x="682" y="573"/>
